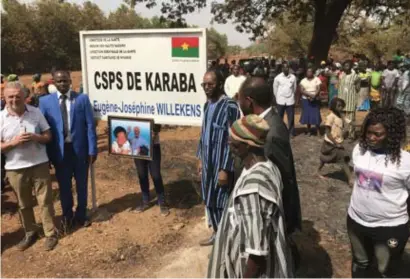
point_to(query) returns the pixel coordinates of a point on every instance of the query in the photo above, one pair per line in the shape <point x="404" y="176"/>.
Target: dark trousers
<point x="388" y="97"/>
<point x="154" y="168"/>
<point x="385" y="243"/>
<point x="70" y="166"/>
<point x="290" y="113"/>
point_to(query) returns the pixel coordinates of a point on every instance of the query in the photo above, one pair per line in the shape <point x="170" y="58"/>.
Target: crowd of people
<point x="245" y="159"/>
<point x="248" y="178"/>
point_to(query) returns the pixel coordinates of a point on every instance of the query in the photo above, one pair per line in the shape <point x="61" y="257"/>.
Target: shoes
<point x="67" y="225"/>
<point x="144" y="206"/>
<point x="84" y="223"/>
<point x="164" y="209"/>
<point x="50" y="243"/>
<point x="208" y="242"/>
<point x="27" y="241"/>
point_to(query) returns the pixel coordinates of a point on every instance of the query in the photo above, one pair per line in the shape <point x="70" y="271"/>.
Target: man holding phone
<point x="24" y="133"/>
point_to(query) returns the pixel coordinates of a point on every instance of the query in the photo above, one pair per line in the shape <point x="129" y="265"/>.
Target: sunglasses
<point x="208" y="84"/>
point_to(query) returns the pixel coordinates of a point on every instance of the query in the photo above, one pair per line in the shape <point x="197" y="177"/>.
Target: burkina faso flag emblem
<point x="185" y="47"/>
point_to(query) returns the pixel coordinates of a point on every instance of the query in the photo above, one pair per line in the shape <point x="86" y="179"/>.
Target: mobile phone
<point x="22" y="129"/>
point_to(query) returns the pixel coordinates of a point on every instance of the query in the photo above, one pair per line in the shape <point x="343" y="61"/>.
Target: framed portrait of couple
<point x="130" y="137"/>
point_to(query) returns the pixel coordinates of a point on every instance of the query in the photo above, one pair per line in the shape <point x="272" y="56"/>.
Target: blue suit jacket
<point x="83" y="133"/>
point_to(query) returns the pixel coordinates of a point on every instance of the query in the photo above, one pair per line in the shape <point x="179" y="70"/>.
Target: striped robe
<point x="348" y="90"/>
<point x="253" y="223"/>
<point x="213" y="149"/>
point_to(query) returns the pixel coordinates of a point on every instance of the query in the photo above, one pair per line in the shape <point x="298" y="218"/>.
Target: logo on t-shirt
<point x="392" y="243"/>
<point x="369" y="180"/>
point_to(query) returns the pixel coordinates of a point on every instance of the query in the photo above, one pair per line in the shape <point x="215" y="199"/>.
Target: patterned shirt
<point x="253" y="224"/>
<point x="213" y="149"/>
<point x="348" y="90"/>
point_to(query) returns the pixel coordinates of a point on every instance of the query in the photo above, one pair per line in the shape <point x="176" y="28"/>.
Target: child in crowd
<point x="332" y="150"/>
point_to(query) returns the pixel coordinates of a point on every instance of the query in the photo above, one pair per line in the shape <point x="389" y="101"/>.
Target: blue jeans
<point x="154" y="168"/>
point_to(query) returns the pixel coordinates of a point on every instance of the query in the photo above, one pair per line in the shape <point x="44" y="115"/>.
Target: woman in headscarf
<point x="12" y="77"/>
<point x="36" y="85"/>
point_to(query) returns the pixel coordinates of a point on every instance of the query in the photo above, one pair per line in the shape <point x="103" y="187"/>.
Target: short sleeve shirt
<point x="30" y="153"/>
<point x="379" y="197"/>
<point x="336" y="125"/>
<point x="310" y="86"/>
<point x="390" y="77"/>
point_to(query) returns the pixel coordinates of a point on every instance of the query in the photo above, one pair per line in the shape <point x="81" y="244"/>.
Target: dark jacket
<point x="279" y="151"/>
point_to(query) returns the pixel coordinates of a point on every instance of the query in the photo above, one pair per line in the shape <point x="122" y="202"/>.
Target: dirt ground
<point x="121" y="243"/>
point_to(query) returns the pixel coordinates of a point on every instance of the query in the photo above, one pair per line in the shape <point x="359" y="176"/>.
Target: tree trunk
<point x="327" y="18"/>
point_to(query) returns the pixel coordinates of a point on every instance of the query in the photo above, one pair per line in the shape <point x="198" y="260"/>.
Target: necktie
<point x="64" y="114"/>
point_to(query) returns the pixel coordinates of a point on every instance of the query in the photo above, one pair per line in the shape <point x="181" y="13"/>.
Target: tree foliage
<point x="38" y="36"/>
<point x="356" y="34"/>
<point x="234" y="49"/>
<point x="256" y="16"/>
<point x="217" y="44"/>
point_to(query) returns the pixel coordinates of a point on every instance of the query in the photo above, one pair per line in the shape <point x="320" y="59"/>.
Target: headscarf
<point x="12" y="77"/>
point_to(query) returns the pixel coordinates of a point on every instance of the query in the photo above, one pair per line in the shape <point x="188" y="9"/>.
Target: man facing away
<point x="215" y="165"/>
<point x="251" y="240"/>
<point x="255" y="98"/>
<point x="74" y="145"/>
<point x="284" y="89"/>
<point x="233" y="82"/>
<point x="24" y="133"/>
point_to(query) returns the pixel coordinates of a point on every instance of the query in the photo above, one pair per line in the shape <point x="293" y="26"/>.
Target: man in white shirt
<point x="24" y="133"/>
<point x="234" y="82"/>
<point x="284" y="89"/>
<point x="390" y="79"/>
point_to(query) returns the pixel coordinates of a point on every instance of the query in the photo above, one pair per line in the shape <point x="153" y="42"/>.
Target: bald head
<point x="257" y="89"/>
<point x="255" y="96"/>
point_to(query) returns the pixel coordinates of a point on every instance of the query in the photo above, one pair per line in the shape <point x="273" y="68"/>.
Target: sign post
<point x="149" y="73"/>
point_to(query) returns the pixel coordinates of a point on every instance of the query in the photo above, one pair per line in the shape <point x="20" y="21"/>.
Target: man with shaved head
<point x="255" y="97"/>
<point x="215" y="165"/>
<point x="24" y="133"/>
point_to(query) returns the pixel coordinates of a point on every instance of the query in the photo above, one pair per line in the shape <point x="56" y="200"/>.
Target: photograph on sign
<point x="131" y="137"/>
<point x="154" y="73"/>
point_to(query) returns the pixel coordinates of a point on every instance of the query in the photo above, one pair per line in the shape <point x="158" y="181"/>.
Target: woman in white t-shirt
<point x="378" y="214"/>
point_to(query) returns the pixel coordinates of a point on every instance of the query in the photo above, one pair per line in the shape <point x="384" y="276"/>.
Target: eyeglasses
<point x="207" y="84"/>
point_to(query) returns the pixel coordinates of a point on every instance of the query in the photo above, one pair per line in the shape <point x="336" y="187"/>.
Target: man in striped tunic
<point x="348" y="91"/>
<point x="215" y="164"/>
<point x="251" y="239"/>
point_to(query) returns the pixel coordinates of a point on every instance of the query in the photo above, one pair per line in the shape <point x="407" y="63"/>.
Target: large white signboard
<point x="145" y="73"/>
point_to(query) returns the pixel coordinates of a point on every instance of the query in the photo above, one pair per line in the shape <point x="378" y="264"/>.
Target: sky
<point x="201" y="19"/>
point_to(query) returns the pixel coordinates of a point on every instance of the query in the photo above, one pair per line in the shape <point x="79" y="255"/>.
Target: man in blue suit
<point x="74" y="145"/>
